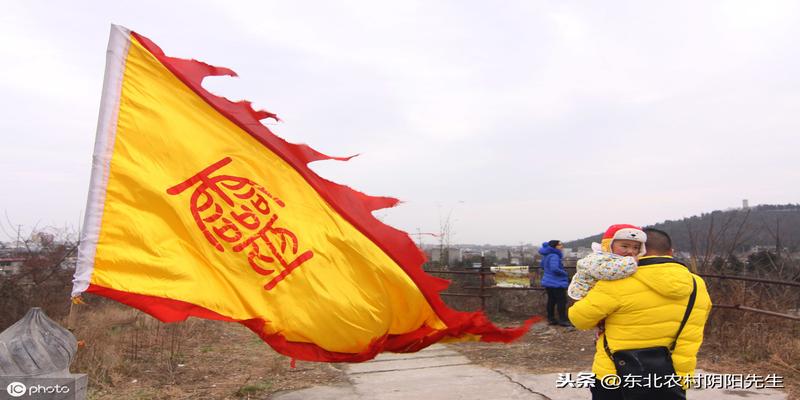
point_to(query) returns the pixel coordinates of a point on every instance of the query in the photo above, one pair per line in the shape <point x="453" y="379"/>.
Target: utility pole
<point x="778" y="237"/>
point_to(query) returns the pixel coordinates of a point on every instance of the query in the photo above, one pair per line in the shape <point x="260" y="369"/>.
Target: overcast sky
<point x="525" y="121"/>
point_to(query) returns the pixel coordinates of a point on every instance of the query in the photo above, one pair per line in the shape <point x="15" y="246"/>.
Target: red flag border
<point x="171" y="310"/>
<point x="354" y="206"/>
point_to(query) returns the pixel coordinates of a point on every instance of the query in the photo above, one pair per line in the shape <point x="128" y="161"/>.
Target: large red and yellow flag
<point x="196" y="209"/>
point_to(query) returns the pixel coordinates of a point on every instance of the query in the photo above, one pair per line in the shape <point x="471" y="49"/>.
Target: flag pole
<point x="72" y="318"/>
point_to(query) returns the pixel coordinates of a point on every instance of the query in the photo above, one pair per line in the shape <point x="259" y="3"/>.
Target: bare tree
<point x="46" y="259"/>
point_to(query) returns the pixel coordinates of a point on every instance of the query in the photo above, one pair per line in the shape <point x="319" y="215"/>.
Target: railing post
<point x="483" y="283"/>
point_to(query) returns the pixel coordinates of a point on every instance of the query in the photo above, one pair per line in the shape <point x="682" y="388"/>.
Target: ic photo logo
<point x="16" y="389"/>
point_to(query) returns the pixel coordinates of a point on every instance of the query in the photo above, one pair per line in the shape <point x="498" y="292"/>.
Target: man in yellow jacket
<point x="645" y="310"/>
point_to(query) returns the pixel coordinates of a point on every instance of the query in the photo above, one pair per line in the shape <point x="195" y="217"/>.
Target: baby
<point x="614" y="258"/>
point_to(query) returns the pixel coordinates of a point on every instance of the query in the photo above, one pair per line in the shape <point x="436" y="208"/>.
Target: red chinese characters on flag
<point x="243" y="215"/>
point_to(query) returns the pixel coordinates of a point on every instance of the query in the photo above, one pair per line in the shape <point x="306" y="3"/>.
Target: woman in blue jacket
<point x="555" y="281"/>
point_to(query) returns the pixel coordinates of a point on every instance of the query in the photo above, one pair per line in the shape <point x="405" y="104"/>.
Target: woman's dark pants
<point x="556" y="298"/>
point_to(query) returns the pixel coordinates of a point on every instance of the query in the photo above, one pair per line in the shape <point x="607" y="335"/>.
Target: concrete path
<point x="441" y="373"/>
<point x="545" y="385"/>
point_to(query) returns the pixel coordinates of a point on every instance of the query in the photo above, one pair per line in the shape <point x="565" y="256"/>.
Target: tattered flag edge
<point x="354" y="206"/>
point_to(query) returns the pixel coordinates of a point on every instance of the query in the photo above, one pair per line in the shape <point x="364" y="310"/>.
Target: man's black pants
<point x="556" y="298"/>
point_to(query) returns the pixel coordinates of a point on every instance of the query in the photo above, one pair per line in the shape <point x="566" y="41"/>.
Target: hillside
<point x="738" y="229"/>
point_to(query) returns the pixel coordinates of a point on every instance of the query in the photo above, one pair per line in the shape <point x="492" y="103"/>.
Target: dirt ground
<point x="227" y="361"/>
<point x="218" y="361"/>
<point x="544" y="349"/>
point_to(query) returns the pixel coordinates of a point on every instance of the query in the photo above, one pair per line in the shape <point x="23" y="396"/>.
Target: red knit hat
<point x="623" y="231"/>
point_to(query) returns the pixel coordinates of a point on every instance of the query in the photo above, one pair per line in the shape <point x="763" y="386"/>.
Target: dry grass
<point x="130" y="355"/>
<point x="744" y="342"/>
<point x="102" y="353"/>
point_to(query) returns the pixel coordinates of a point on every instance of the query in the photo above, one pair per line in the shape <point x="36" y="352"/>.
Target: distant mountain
<point x="722" y="231"/>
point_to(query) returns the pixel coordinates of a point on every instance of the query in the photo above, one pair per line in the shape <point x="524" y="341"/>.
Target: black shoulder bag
<point x="652" y="361"/>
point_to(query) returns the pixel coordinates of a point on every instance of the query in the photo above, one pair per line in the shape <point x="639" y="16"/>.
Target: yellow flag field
<point x="197" y="209"/>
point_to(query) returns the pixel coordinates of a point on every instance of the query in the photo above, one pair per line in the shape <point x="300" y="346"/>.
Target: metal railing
<point x="482" y="272"/>
<point x="484" y="290"/>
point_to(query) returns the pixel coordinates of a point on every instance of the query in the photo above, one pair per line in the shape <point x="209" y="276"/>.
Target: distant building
<point x="760" y="247"/>
<point x="471" y="254"/>
<point x="581" y="252"/>
<point x="745" y="204"/>
<point x="10" y="266"/>
<point x="453" y="255"/>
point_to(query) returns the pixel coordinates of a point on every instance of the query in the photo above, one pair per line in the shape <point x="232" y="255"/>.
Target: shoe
<point x="566" y="324"/>
<point x="552" y="322"/>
